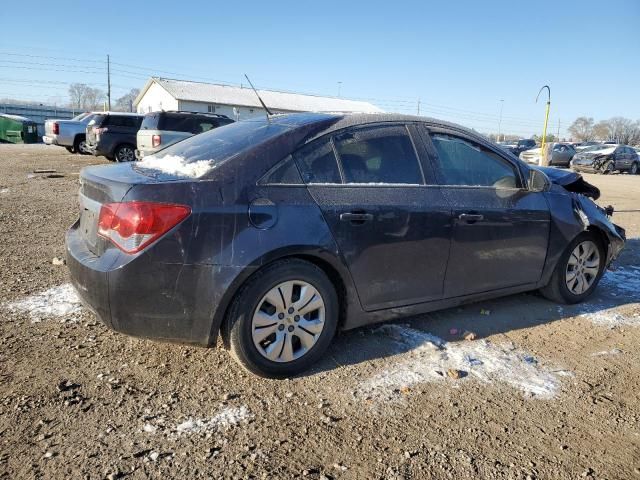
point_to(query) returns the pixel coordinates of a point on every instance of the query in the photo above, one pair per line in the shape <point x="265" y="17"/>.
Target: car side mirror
<point x="538" y="181"/>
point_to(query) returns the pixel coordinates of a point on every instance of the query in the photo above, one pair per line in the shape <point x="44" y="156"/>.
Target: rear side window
<point x="123" y="121"/>
<point x="379" y="154"/>
<point x="462" y="162"/>
<point x="284" y="173"/>
<point x="317" y="163"/>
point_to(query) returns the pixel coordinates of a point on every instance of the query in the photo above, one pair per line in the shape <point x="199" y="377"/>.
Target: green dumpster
<point x="17" y="129"/>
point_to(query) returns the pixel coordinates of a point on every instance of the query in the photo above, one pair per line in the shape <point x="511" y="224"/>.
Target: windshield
<point x="596" y="148"/>
<point x="80" y="116"/>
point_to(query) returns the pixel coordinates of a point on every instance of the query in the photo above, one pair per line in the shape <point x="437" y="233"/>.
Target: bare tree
<point x="125" y="102"/>
<point x="582" y="129"/>
<point x="602" y="130"/>
<point x="83" y="97"/>
<point x="623" y="130"/>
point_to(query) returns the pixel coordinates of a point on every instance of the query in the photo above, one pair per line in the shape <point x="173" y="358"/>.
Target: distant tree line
<point x="616" y="129"/>
<point x="84" y="97"/>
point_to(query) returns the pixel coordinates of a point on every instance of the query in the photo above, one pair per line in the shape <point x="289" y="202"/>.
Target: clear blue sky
<point x="460" y="58"/>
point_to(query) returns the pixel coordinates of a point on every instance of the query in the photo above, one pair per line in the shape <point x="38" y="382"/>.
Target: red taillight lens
<point x="156" y="140"/>
<point x="132" y="226"/>
<point x="56" y="128"/>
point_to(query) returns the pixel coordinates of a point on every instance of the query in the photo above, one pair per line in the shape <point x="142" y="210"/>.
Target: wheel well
<point x="79" y="137"/>
<point x="600" y="235"/>
<point x="326" y="267"/>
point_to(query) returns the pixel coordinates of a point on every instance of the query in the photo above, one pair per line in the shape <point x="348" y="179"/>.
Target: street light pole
<point x="500" y="121"/>
<point x="546" y="122"/>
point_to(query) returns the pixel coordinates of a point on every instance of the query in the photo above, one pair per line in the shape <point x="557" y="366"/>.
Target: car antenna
<point x="258" y="95"/>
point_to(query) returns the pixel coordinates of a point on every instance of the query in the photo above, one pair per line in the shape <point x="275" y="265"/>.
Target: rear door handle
<point x="470" y="217"/>
<point x="357" y="218"/>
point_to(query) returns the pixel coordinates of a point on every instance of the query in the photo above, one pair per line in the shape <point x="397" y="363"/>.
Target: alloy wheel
<point x="634" y="169"/>
<point x="288" y="321"/>
<point x="125" y="154"/>
<point x="583" y="267"/>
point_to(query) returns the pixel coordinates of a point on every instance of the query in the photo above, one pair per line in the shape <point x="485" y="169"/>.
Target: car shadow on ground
<point x="619" y="287"/>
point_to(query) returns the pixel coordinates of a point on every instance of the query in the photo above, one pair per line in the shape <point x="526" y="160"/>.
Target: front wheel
<point x="284" y="319"/>
<point x="608" y="168"/>
<point x="634" y="168"/>
<point x="578" y="271"/>
<point x="125" y="153"/>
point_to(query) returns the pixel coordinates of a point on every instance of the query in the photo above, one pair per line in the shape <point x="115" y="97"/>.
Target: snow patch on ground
<point x="605" y="353"/>
<point x="4" y="190"/>
<point x="624" y="282"/>
<point x="427" y="358"/>
<point x="177" y="165"/>
<point x="225" y="419"/>
<point x="60" y="301"/>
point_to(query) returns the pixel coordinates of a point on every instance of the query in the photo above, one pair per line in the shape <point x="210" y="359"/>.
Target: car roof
<point x="344" y="120"/>
<point x="124" y="114"/>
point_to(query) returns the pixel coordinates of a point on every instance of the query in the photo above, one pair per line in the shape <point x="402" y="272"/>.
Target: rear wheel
<point x="80" y="145"/>
<point x="125" y="153"/>
<point x="578" y="271"/>
<point x="284" y="319"/>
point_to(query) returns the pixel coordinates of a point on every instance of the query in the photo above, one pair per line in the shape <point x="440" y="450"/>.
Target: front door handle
<point x="356" y="218"/>
<point x="470" y="217"/>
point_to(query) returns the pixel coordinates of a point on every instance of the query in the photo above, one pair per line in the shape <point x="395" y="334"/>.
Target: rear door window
<point x="126" y="121"/>
<point x="284" y="173"/>
<point x="464" y="162"/>
<point x="378" y="155"/>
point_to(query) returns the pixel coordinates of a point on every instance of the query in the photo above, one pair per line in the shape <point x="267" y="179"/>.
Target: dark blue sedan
<point x="276" y="233"/>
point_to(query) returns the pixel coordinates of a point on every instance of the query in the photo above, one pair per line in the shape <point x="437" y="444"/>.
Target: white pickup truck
<point x="70" y="134"/>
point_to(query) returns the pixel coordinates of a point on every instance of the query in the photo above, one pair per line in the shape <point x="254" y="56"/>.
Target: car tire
<point x="608" y="168"/>
<point x="282" y="352"/>
<point x="124" y="153"/>
<point x="80" y="145"/>
<point x="634" y="168"/>
<point x="559" y="287"/>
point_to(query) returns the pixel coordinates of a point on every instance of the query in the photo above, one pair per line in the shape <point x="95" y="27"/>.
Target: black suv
<point x="161" y="129"/>
<point x="113" y="135"/>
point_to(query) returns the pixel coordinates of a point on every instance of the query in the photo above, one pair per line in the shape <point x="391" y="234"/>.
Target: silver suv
<point x="161" y="129"/>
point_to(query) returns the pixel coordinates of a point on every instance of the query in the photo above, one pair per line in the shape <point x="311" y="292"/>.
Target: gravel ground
<point x="543" y="391"/>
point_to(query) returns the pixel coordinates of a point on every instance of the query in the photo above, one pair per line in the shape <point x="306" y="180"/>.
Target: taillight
<point x="56" y="128"/>
<point x="156" y="140"/>
<point x="132" y="226"/>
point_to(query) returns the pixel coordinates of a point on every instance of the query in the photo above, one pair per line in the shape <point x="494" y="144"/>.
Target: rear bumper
<point x="142" y="297"/>
<point x="49" y="140"/>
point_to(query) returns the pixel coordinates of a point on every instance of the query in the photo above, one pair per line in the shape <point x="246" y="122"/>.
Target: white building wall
<point x="156" y="98"/>
<point x="242" y="112"/>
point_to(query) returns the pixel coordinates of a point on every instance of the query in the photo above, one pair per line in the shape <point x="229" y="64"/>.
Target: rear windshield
<point x="221" y="143"/>
<point x="150" y="121"/>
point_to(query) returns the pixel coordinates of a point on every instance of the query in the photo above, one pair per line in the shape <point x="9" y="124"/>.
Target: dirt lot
<point x="548" y="391"/>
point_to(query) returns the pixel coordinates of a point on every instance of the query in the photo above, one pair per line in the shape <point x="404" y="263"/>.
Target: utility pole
<point x="108" y="84"/>
<point x="558" y="129"/>
<point x="418" y="107"/>
<point x="339" y="87"/>
<point x="500" y="121"/>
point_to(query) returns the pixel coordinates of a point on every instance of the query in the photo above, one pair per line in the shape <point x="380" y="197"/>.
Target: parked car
<point x="606" y="159"/>
<point x="520" y="146"/>
<point x="561" y="155"/>
<point x="161" y="129"/>
<point x="277" y="232"/>
<point x="113" y="135"/>
<point x="70" y="134"/>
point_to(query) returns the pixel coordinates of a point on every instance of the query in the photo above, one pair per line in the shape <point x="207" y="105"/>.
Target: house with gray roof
<point x="236" y="102"/>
